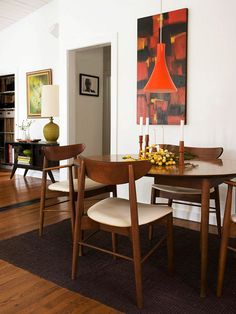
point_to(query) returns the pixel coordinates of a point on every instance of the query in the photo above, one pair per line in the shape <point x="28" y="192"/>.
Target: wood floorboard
<point x="23" y="292"/>
<point x="20" y="291"/>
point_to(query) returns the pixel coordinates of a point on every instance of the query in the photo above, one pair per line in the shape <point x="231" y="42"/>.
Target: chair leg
<point x="72" y="212"/>
<point x="113" y="235"/>
<point x="217" y="207"/>
<point x="153" y="201"/>
<point x="170" y="244"/>
<point x="75" y="252"/>
<point x="77" y="238"/>
<point x="137" y="268"/>
<point x="224" y="242"/>
<point x="42" y="205"/>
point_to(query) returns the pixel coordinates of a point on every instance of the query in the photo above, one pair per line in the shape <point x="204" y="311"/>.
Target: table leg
<point x="204" y="234"/>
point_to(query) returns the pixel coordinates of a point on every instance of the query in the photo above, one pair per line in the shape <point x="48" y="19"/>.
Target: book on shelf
<point x="10" y="154"/>
<point x="24" y="160"/>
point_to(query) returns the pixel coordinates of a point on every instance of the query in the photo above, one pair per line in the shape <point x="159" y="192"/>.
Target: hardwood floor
<point x="20" y="291"/>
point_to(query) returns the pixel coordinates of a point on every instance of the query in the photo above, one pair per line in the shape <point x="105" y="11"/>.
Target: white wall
<point x="211" y="51"/>
<point x="89" y="109"/>
<point x="28" y="46"/>
<point x="211" y="67"/>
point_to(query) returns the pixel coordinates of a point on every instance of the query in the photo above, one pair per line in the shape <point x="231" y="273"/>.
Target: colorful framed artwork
<point x="163" y="108"/>
<point x="89" y="85"/>
<point x="35" y="80"/>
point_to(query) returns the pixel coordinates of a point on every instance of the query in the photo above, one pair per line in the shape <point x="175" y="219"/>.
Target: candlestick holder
<point x="146" y="144"/>
<point x="181" y="153"/>
<point x="140" y="145"/>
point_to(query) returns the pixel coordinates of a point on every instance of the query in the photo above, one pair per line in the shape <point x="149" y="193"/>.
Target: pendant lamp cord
<point x="161" y="21"/>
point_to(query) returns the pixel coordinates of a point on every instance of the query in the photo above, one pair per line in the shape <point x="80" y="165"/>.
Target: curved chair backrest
<point x="198" y="152"/>
<point x="114" y="172"/>
<point x="56" y="153"/>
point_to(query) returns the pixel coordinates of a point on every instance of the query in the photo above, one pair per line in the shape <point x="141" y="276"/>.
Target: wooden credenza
<point x="27" y="155"/>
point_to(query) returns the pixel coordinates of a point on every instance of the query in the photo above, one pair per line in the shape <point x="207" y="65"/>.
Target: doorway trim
<point x="66" y="112"/>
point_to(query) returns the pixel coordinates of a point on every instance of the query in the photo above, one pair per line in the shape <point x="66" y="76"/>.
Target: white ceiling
<point x="12" y="11"/>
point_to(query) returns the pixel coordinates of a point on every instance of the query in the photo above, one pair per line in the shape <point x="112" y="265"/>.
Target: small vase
<point x="23" y="135"/>
<point x="27" y="135"/>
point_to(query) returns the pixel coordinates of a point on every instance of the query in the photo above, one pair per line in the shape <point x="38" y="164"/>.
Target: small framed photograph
<point x="89" y="85"/>
<point x="35" y="80"/>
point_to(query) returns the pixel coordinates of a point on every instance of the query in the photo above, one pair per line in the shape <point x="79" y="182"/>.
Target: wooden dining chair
<point x="228" y="230"/>
<point x="117" y="215"/>
<point x="189" y="196"/>
<point x="66" y="187"/>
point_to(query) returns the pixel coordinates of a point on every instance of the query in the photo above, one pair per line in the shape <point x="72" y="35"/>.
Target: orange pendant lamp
<point x="160" y="80"/>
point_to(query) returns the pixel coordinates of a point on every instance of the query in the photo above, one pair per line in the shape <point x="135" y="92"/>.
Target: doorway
<point x="90" y="112"/>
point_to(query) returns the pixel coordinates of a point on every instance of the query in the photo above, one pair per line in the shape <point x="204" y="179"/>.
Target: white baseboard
<point x="36" y="174"/>
<point x="192" y="213"/>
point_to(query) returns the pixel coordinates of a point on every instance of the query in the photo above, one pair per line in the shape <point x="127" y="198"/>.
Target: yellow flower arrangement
<point x="162" y="157"/>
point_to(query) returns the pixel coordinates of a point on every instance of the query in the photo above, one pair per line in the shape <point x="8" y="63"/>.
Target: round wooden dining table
<point x="201" y="174"/>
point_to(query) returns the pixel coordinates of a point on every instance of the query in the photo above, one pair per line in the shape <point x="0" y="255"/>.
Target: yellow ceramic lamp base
<point x="51" y="131"/>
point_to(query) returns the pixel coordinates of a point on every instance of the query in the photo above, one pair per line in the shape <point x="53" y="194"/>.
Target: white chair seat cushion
<point x="63" y="186"/>
<point x="233" y="217"/>
<point x="178" y="189"/>
<point x="116" y="212"/>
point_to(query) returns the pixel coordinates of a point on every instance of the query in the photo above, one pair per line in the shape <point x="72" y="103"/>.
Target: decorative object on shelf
<point x="35" y="81"/>
<point x="24" y="128"/>
<point x="89" y="85"/>
<point x="36" y="140"/>
<point x="162" y="108"/>
<point x="50" y="109"/>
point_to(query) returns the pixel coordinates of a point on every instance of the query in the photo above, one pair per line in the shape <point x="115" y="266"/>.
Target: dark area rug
<point x="112" y="282"/>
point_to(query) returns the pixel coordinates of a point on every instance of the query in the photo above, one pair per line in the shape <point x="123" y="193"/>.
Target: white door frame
<point x="66" y="136"/>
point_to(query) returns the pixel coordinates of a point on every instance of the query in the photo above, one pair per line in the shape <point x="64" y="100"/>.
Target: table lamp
<point x="50" y="109"/>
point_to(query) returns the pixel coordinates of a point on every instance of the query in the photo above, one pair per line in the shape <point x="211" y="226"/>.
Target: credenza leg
<point x="25" y="173"/>
<point x="13" y="171"/>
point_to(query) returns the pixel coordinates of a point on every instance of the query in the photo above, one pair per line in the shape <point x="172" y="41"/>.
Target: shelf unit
<point x="33" y="160"/>
<point x="7" y="114"/>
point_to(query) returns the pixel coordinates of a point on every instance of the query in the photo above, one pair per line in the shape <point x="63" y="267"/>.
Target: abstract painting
<point x="35" y="80"/>
<point x="163" y="108"/>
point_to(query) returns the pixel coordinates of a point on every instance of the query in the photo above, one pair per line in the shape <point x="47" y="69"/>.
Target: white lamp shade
<point x="50" y="101"/>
